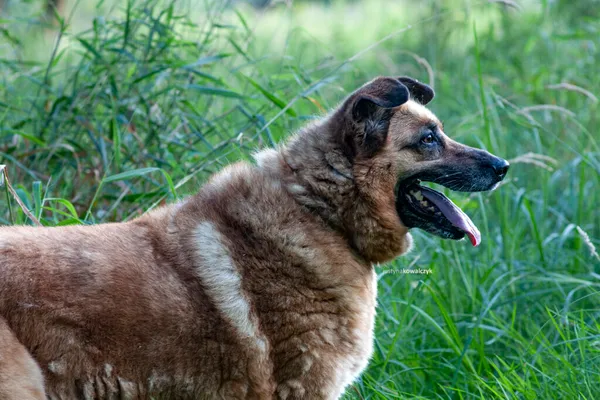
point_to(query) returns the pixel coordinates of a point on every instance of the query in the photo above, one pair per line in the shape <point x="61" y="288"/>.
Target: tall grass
<point x="144" y="103"/>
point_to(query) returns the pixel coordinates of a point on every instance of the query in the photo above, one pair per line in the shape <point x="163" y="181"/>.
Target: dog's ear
<point x="380" y="93"/>
<point x="370" y="110"/>
<point x="418" y="91"/>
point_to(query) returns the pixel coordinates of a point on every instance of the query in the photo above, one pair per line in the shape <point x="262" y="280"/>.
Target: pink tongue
<point x="454" y="214"/>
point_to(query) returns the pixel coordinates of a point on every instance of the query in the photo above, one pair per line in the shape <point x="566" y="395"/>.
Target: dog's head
<point x="395" y="143"/>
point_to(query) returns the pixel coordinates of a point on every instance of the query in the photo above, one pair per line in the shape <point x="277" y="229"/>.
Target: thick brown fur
<point x="261" y="286"/>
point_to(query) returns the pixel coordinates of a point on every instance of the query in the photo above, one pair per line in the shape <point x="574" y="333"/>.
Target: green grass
<point x="137" y="106"/>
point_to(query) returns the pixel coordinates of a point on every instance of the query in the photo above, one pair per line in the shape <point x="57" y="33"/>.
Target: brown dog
<point x="261" y="286"/>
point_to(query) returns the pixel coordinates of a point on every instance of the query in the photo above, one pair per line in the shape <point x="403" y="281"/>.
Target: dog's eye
<point x="428" y="139"/>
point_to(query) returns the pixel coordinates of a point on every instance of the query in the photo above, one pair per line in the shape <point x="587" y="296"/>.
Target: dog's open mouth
<point x="422" y="207"/>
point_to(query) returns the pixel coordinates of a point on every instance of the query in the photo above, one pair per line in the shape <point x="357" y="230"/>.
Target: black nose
<point x="501" y="168"/>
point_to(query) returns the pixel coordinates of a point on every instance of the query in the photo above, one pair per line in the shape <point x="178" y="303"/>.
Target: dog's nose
<point x="501" y="168"/>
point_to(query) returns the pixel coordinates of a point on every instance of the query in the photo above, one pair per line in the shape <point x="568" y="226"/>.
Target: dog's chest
<point x="334" y="343"/>
<point x="361" y="336"/>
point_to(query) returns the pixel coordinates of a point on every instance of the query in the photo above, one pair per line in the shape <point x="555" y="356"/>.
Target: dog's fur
<point x="261" y="286"/>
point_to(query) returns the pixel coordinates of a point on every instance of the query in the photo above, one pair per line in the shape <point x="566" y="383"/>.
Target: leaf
<point x="71" y="221"/>
<point x="140" y="172"/>
<point x="89" y="48"/>
<point x="274" y="99"/>
<point x="68" y="205"/>
<point x="239" y="49"/>
<point x="31" y="138"/>
<point x="207" y="60"/>
<point x="116" y="136"/>
<point x="37" y="199"/>
<point x="149" y="74"/>
<point x="215" y="91"/>
<point x="206" y="76"/>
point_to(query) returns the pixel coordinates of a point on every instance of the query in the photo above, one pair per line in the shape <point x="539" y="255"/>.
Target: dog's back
<point x="100" y="305"/>
<point x="195" y="300"/>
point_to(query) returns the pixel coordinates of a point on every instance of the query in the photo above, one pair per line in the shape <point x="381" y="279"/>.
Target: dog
<point x="260" y="286"/>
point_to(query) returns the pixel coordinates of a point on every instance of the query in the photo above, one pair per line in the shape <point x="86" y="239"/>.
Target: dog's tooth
<point x="417" y="193"/>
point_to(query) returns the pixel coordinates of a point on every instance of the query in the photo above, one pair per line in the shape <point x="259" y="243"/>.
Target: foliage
<point x="142" y="106"/>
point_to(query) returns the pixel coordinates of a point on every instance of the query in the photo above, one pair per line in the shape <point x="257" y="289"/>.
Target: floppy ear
<point x="419" y="91"/>
<point x="380" y="93"/>
<point x="370" y="110"/>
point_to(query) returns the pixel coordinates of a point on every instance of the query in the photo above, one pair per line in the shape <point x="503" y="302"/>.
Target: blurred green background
<point x="109" y="109"/>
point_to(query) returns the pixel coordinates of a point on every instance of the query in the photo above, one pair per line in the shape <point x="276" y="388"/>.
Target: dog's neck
<point x="353" y="197"/>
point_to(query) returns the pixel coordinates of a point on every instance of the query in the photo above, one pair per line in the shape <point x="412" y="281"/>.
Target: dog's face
<point x="393" y="124"/>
